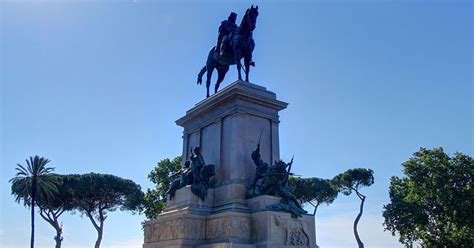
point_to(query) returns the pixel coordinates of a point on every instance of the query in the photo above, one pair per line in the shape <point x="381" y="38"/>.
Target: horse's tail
<point x="201" y="73"/>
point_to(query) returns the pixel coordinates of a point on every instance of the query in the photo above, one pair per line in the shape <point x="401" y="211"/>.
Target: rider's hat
<point x="232" y="15"/>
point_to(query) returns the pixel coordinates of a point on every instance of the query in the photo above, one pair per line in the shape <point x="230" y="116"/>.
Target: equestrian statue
<point x="233" y="43"/>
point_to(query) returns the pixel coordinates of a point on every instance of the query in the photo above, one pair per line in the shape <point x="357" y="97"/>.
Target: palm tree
<point x="32" y="181"/>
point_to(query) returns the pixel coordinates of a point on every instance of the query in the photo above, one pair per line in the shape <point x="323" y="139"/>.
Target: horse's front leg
<point x="237" y="62"/>
<point x="247" y="61"/>
<point x="239" y="67"/>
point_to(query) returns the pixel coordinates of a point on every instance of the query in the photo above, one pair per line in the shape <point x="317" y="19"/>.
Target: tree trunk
<point x="314" y="215"/>
<point x="99" y="228"/>
<point x="52" y="218"/>
<point x="99" y="236"/>
<point x="58" y="237"/>
<point x="356" y="234"/>
<point x="33" y="198"/>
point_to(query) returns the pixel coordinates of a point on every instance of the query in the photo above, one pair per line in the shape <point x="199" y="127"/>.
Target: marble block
<point x="177" y="228"/>
<point x="185" y="199"/>
<point x="278" y="230"/>
<point x="227" y="127"/>
<point x="259" y="203"/>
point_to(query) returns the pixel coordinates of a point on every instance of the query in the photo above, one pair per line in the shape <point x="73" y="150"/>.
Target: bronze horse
<point x="242" y="47"/>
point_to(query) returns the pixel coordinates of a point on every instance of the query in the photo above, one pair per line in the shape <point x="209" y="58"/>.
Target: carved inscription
<point x="298" y="237"/>
<point x="295" y="229"/>
<point x="174" y="229"/>
<point x="218" y="227"/>
<point x="228" y="226"/>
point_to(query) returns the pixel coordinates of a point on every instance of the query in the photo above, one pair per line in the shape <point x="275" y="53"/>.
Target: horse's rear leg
<point x="220" y="77"/>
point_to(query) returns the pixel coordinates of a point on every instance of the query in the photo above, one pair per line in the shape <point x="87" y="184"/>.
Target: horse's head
<point x="250" y="18"/>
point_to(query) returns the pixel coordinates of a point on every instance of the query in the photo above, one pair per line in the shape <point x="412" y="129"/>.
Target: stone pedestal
<point x="278" y="229"/>
<point x="227" y="127"/>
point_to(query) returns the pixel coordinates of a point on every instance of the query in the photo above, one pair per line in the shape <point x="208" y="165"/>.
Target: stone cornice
<point x="233" y="96"/>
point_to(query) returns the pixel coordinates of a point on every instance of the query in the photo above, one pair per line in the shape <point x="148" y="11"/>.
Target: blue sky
<point x="97" y="86"/>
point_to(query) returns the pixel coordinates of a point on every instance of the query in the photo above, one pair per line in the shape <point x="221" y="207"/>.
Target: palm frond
<point x="21" y="169"/>
<point x="30" y="165"/>
<point x="23" y="182"/>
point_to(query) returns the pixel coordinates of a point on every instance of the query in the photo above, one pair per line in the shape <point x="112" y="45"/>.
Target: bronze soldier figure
<point x="195" y="173"/>
<point x="185" y="178"/>
<point x="274" y="181"/>
<point x="260" y="171"/>
<point x="197" y="162"/>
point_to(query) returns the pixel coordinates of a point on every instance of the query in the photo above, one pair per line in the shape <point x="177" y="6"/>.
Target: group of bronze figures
<point x="273" y="180"/>
<point x="195" y="173"/>
<point x="233" y="43"/>
<point x="269" y="180"/>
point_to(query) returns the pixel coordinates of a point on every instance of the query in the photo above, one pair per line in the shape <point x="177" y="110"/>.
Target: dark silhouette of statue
<point x="201" y="174"/>
<point x="232" y="45"/>
<point x="261" y="170"/>
<point x="195" y="173"/>
<point x="185" y="178"/>
<point x="197" y="162"/>
<point x="274" y="181"/>
<point x="226" y="31"/>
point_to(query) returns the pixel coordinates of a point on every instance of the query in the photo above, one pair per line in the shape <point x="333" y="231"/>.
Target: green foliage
<point x="432" y="205"/>
<point x="51" y="208"/>
<point x="34" y="177"/>
<point x="353" y="180"/>
<point x="314" y="191"/>
<point x="350" y="181"/>
<point x="96" y="194"/>
<point x="162" y="176"/>
<point x="31" y="182"/>
<point x="59" y="200"/>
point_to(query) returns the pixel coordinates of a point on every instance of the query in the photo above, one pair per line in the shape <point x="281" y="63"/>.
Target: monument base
<point x="189" y="222"/>
<point x="227" y="127"/>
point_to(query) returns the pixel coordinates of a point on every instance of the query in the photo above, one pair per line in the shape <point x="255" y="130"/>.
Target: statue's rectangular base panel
<point x="278" y="229"/>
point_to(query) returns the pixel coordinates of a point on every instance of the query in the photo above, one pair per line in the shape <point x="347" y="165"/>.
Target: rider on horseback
<point x="239" y="46"/>
<point x="226" y="29"/>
